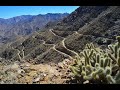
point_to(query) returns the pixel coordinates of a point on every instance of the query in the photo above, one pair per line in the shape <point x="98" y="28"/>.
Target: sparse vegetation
<point x="39" y="50"/>
<point x="51" y="56"/>
<point x="89" y="33"/>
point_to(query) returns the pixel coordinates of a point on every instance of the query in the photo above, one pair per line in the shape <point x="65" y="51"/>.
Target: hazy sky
<point x="11" y="11"/>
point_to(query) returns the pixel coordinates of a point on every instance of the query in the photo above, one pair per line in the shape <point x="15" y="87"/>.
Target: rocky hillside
<point x="27" y="73"/>
<point x="65" y="39"/>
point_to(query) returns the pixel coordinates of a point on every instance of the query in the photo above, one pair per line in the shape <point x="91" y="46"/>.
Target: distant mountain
<point x="26" y="24"/>
<point x="16" y="19"/>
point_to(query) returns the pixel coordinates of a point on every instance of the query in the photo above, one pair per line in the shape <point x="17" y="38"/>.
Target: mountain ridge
<point x="26" y="24"/>
<point x="63" y="41"/>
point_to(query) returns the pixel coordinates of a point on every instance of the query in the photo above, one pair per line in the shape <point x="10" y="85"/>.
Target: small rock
<point x="60" y="65"/>
<point x="86" y="82"/>
<point x="32" y="73"/>
<point x="59" y="71"/>
<point x="37" y="79"/>
<point x="62" y="77"/>
<point x="20" y="71"/>
<point x="15" y="66"/>
<point x="44" y="75"/>
<point x="27" y="65"/>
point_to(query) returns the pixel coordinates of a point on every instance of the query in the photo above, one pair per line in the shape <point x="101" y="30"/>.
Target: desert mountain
<point x="66" y="38"/>
<point x="24" y="25"/>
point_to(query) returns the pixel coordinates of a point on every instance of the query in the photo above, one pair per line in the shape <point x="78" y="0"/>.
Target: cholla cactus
<point x="114" y="52"/>
<point x="95" y="64"/>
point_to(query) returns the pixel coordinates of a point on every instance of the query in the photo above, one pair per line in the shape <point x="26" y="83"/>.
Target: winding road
<point x="53" y="47"/>
<point x="63" y="42"/>
<point x="54" y="33"/>
<point x="18" y="53"/>
<point x="62" y="52"/>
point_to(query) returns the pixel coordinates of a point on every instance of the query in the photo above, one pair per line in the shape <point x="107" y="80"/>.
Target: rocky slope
<point x="64" y="40"/>
<point x="27" y="73"/>
<point x="60" y="41"/>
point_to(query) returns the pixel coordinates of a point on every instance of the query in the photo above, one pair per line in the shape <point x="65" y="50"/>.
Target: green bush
<point x="98" y="66"/>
